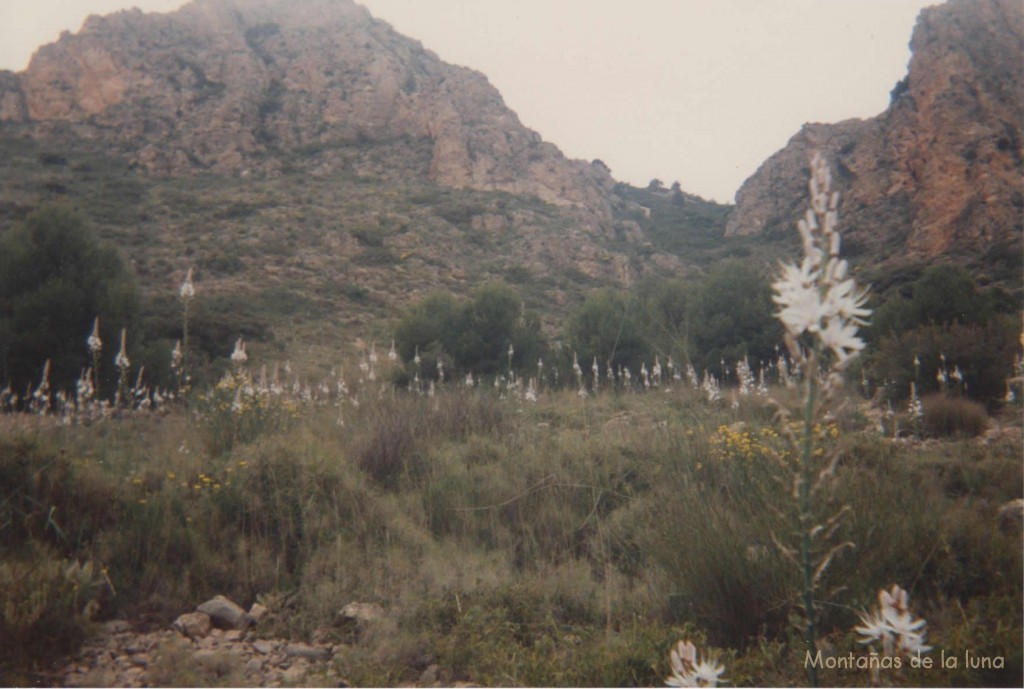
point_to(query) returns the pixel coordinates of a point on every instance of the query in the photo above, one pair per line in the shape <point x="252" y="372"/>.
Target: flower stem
<point x="806" y="513"/>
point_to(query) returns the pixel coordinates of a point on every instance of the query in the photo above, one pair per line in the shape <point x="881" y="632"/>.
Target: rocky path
<point x="217" y="644"/>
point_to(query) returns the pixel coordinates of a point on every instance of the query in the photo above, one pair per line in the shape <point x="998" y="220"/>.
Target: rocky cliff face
<point x="233" y="86"/>
<point x="940" y="173"/>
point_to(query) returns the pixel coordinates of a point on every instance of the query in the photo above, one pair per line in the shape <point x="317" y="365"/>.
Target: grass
<point x="567" y="542"/>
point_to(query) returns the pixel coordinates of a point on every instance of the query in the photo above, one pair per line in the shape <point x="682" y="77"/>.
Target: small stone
<point x="194" y="625"/>
<point x="225" y="614"/>
<point x="116" y="627"/>
<point x="254" y="666"/>
<point x="140" y="659"/>
<point x="362" y="612"/>
<point x="306" y="651"/>
<point x="257" y="611"/>
<point x="294" y="674"/>
<point x="1011" y="516"/>
<point x="233" y="635"/>
<point x="204" y="655"/>
<point x="264" y="647"/>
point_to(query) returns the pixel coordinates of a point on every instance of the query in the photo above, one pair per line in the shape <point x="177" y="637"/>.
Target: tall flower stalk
<point x="95" y="345"/>
<point x="187" y="292"/>
<point x="122" y="363"/>
<point x="821" y="309"/>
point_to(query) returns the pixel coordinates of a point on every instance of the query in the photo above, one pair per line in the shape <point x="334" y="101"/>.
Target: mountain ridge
<point x="221" y="85"/>
<point x="304" y="155"/>
<point x="940" y="174"/>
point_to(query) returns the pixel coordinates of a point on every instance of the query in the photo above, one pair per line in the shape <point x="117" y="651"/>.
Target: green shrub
<point x="471" y="336"/>
<point x="397" y="431"/>
<point x="944" y="295"/>
<point x="55" y="278"/>
<point x="713" y="520"/>
<point x="608" y="327"/>
<point x="983" y="353"/>
<point x="952" y="417"/>
<point x="234" y="413"/>
<point x="46" y="604"/>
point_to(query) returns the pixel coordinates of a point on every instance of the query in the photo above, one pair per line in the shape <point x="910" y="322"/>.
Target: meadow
<point x="582" y="527"/>
<point x="566" y="541"/>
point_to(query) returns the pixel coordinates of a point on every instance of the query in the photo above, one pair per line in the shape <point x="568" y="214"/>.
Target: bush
<point x="55" y="278"/>
<point x="607" y="327"/>
<point x="950" y="417"/>
<point x="397" y="432"/>
<point x="472" y="336"/>
<point x="45" y="606"/>
<point x="943" y="295"/>
<point x="984" y="355"/>
<point x="234" y="413"/>
<point x="730" y="316"/>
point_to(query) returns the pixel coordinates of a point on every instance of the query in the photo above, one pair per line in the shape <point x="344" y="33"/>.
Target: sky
<point x="695" y="91"/>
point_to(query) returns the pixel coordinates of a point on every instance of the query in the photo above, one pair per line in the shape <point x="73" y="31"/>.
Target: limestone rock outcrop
<point x="244" y="86"/>
<point x="941" y="172"/>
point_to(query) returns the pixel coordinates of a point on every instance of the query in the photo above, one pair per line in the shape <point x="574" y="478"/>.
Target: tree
<point x="55" y="279"/>
<point x="607" y="327"/>
<point x="731" y="316"/>
<point x="473" y="336"/>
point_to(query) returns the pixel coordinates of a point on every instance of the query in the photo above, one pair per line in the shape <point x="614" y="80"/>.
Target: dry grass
<point x="568" y="542"/>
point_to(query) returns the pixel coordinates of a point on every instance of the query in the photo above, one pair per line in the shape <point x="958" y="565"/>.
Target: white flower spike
<point x="187" y="289"/>
<point x="816" y="296"/>
<point x="93" y="341"/>
<point x="689" y="671"/>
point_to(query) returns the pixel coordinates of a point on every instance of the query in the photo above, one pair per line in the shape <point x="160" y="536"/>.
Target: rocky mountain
<point x="222" y="85"/>
<point x="940" y="174"/>
<point x="320" y="170"/>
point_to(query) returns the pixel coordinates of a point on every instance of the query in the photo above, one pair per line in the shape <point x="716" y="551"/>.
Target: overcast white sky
<point x="699" y="91"/>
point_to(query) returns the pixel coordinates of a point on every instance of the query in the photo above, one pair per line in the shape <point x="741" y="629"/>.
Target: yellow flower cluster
<point x="730" y="443"/>
<point x="205" y="482"/>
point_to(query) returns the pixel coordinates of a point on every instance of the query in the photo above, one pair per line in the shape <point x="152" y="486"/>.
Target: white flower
<point x="816" y="296"/>
<point x="93" y="341"/>
<point x="238" y="356"/>
<point x="894" y="625"/>
<point x="841" y="337"/>
<point x="797" y="294"/>
<point x="121" y="360"/>
<point x="176" y="356"/>
<point x="187" y="289"/>
<point x="688" y="671"/>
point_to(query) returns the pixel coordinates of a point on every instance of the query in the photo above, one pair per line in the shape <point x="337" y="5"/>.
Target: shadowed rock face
<point x="940" y="172"/>
<point x="234" y="86"/>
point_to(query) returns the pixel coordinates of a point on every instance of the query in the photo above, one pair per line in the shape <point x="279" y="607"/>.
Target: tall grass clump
<point x="397" y="430"/>
<point x="49" y="590"/>
<point x="952" y="417"/>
